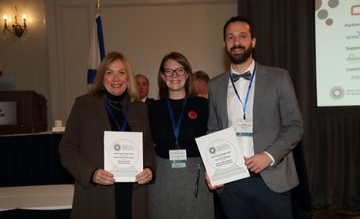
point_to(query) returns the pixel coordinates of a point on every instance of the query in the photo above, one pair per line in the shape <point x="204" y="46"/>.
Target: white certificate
<point x="123" y="154"/>
<point x="222" y="156"/>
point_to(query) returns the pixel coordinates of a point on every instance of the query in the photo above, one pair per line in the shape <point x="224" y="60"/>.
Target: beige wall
<point x="146" y="33"/>
<point x="53" y="60"/>
<point x="26" y="59"/>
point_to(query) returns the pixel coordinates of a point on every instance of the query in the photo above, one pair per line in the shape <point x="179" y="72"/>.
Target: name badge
<point x="244" y="128"/>
<point x="178" y="158"/>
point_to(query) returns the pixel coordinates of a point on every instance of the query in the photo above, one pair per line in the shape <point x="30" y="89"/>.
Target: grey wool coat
<point x="82" y="152"/>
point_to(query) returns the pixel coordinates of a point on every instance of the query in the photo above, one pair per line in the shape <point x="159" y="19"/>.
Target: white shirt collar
<point x="250" y="68"/>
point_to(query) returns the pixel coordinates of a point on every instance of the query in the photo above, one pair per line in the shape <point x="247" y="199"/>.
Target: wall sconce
<point x="15" y="28"/>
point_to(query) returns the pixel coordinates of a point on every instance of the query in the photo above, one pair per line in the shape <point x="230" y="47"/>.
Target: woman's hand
<point x="212" y="187"/>
<point x="103" y="177"/>
<point x="145" y="176"/>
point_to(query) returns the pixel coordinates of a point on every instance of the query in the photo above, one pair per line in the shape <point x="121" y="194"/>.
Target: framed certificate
<point x="123" y="154"/>
<point x="222" y="157"/>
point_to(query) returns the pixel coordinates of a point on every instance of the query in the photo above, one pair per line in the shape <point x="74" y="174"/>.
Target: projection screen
<point x="337" y="44"/>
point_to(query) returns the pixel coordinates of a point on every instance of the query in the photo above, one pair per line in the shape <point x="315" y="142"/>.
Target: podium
<point x="22" y="112"/>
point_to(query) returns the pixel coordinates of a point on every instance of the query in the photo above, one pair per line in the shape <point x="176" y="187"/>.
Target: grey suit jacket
<point x="278" y="125"/>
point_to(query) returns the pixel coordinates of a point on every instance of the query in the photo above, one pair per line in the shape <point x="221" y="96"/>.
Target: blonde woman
<point x="111" y="105"/>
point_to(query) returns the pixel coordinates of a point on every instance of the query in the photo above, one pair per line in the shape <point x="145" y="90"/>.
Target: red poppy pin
<point x="192" y="114"/>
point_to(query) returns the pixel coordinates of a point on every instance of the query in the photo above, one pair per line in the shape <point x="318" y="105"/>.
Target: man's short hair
<point x="200" y="75"/>
<point x="140" y="75"/>
<point x="239" y="19"/>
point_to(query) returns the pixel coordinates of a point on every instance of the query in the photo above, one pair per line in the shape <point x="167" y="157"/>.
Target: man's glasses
<point x="170" y="72"/>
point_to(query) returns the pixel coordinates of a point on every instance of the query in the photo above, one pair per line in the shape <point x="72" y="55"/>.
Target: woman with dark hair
<point x="111" y="105"/>
<point x="179" y="190"/>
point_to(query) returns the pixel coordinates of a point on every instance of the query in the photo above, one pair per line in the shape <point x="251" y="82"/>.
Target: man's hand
<point x="258" y="162"/>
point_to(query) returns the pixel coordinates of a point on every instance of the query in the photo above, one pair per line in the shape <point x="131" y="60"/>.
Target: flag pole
<point x="97" y="46"/>
<point x="98" y="6"/>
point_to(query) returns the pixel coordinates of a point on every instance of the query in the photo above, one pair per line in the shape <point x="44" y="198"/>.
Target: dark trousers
<point x="218" y="209"/>
<point x="250" y="198"/>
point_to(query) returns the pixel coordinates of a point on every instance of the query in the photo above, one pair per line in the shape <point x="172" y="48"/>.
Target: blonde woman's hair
<point x="98" y="85"/>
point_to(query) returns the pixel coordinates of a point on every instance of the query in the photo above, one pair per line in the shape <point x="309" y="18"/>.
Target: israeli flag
<point x="96" y="51"/>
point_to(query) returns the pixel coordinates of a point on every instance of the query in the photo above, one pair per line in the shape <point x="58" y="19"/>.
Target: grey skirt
<point x="172" y="195"/>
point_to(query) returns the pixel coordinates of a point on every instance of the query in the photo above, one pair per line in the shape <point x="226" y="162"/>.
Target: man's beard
<point x="239" y="59"/>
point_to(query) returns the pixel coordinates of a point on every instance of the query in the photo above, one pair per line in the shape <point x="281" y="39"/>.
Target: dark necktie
<point x="236" y="77"/>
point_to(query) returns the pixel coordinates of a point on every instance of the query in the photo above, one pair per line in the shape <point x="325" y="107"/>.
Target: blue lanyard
<point x="121" y="127"/>
<point x="247" y="92"/>
<point x="176" y="127"/>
